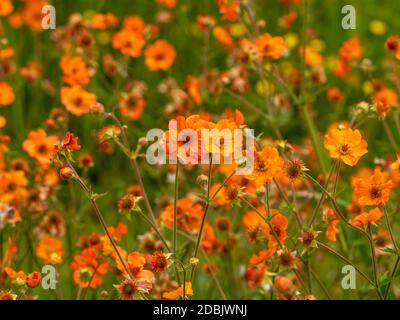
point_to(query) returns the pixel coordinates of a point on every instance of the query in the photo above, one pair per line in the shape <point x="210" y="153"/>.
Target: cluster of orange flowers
<point x="263" y="226"/>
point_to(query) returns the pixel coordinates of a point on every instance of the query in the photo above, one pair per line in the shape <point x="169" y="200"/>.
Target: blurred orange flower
<point x="50" y="250"/>
<point x="159" y="56"/>
<point x="75" y="71"/>
<point x="373" y="190"/>
<point x="363" y="219"/>
<point x="7" y="95"/>
<point x="77" y="100"/>
<point x="40" y="146"/>
<point x="128" y="42"/>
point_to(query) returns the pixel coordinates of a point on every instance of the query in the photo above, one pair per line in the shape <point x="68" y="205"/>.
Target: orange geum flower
<point x="189" y="215"/>
<point x="223" y="36"/>
<point x="384" y="99"/>
<point x="128" y="42"/>
<point x="374" y="190"/>
<point x="255" y="276"/>
<point x="13" y="186"/>
<point x="77" y="100"/>
<point x="6" y="7"/>
<point x="345" y="144"/>
<point x="50" y="250"/>
<point x="312" y="57"/>
<point x="159" y="56"/>
<point x="267" y="165"/>
<point x="178" y="293"/>
<point x="134" y="24"/>
<point x="132" y="106"/>
<point x="7" y="95"/>
<point x="89" y="269"/>
<point x="75" y="72"/>
<point x="33" y="279"/>
<point x="159" y="261"/>
<point x="229" y="9"/>
<point x="103" y="21"/>
<point x="70" y="142"/>
<point x="269" y="46"/>
<point x="395" y="172"/>
<point x="40" y="146"/>
<point x="7" y="295"/>
<point x="365" y="218"/>
<point x="332" y="219"/>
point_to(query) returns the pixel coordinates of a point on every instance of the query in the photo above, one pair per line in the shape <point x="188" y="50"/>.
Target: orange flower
<point x="13" y="186"/>
<point x="75" y="71"/>
<point x="312" y="57"/>
<point x="136" y="263"/>
<point x="332" y="219"/>
<point x="395" y="172"/>
<point x="269" y="46"/>
<point x="345" y="144"/>
<point x="103" y="21"/>
<point x="159" y="56"/>
<point x="193" y="87"/>
<point x="7" y="95"/>
<point x="77" y="100"/>
<point x="363" y="219"/>
<point x="7" y="295"/>
<point x="192" y="151"/>
<point x="6" y="7"/>
<point x="223" y="36"/>
<point x="132" y="106"/>
<point x="335" y="95"/>
<point x="178" y="293"/>
<point x="50" y="250"/>
<point x="134" y="24"/>
<point x="267" y="165"/>
<point x="374" y="190"/>
<point x="33" y="279"/>
<point x="229" y="9"/>
<point x="351" y="50"/>
<point x="14" y="275"/>
<point x="384" y="99"/>
<point x="167" y="3"/>
<point x="393" y="44"/>
<point x="279" y="225"/>
<point x="255" y="276"/>
<point x="3" y="122"/>
<point x="89" y="268"/>
<point x="40" y="146"/>
<point x="128" y="43"/>
<point x="189" y="215"/>
<point x="70" y="142"/>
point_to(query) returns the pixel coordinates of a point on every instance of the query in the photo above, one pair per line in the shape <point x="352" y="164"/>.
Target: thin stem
<point x="321" y="199"/>
<point x="100" y="217"/>
<point x="390" y="136"/>
<point x="127" y="150"/>
<point x="392" y="275"/>
<point x="200" y="234"/>
<point x="374" y="262"/>
<point x="390" y="228"/>
<point x="320" y="244"/>
<point x="174" y="237"/>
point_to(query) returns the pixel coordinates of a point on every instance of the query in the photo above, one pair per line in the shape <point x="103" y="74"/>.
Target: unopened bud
<point x="97" y="109"/>
<point x="202" y="181"/>
<point x="143" y="141"/>
<point x="66" y="173"/>
<point x="194" y="261"/>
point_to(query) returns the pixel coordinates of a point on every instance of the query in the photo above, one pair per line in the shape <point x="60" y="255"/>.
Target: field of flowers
<point x="117" y="123"/>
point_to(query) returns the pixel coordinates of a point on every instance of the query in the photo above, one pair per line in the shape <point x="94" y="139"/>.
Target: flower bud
<point x="66" y="173"/>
